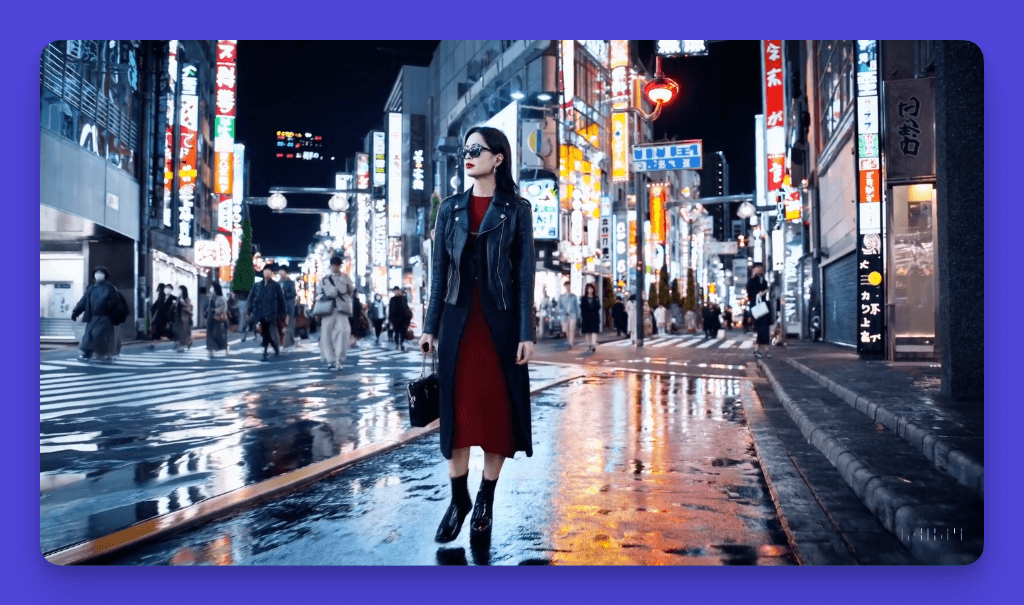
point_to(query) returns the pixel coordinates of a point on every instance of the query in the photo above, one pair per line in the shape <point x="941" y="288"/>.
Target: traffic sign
<point x="679" y="155"/>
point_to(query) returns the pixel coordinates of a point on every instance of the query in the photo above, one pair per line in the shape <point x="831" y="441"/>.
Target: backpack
<point x="120" y="311"/>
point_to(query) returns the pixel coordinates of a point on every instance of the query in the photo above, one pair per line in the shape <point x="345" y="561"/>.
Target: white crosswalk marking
<point x="747" y="344"/>
<point x="664" y="343"/>
<point x="709" y="343"/>
<point x="727" y="343"/>
<point x="161" y="381"/>
<point x="688" y="342"/>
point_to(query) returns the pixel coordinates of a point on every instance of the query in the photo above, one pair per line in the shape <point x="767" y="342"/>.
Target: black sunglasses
<point x="472" y="151"/>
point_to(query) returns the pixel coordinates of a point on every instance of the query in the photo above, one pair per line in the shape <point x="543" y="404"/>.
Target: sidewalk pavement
<point x="914" y="458"/>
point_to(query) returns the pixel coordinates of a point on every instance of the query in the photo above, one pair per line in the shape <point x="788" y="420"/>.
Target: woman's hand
<point x="427" y="343"/>
<point x="525" y="353"/>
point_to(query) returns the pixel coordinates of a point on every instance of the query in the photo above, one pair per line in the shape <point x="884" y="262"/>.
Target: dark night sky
<point x="337" y="89"/>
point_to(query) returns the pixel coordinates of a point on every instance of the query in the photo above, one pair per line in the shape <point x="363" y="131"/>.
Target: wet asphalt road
<point x="158" y="431"/>
<point x="629" y="468"/>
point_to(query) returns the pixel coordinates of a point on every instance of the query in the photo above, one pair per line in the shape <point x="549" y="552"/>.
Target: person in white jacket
<point x="334" y="328"/>
<point x="631" y="314"/>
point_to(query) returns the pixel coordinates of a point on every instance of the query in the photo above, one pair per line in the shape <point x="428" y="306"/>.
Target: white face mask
<point x="181" y="294"/>
<point x="168" y="291"/>
<point x="99" y="276"/>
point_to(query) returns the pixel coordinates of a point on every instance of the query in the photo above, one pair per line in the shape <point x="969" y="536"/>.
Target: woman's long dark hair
<point x="184" y="292"/>
<point x="216" y="289"/>
<point x="497" y="142"/>
<point x="588" y="288"/>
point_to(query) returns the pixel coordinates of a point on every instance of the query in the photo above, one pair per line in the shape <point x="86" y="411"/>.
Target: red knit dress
<point x="483" y="412"/>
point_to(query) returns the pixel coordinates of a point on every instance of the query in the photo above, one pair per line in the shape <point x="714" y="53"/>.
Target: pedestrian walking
<point x="216" y="322"/>
<point x="727" y="318"/>
<point x="757" y="290"/>
<point x="705" y="319"/>
<point x="163" y="311"/>
<point x="182" y="317"/>
<point x="619" y="317"/>
<point x="102" y="308"/>
<point x="337" y="289"/>
<point x="631" y="317"/>
<point x="399" y="314"/>
<point x="590" y="310"/>
<point x="378" y="313"/>
<point x="660" y="316"/>
<point x="233" y="315"/>
<point x="266" y="306"/>
<point x="569" y="312"/>
<point x="288" y="291"/>
<point x="359" y="325"/>
<point x="480" y="295"/>
<point x="544" y="311"/>
<point x="716" y="320"/>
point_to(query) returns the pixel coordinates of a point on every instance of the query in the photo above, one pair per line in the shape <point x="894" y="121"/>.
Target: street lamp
<point x="659" y="91"/>
<point x="338" y="202"/>
<point x="276" y="201"/>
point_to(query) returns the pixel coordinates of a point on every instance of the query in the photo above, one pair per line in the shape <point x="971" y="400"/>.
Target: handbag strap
<point x="433" y="364"/>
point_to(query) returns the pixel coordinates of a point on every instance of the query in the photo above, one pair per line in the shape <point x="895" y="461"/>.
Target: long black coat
<point x="590" y="309"/>
<point x="515" y="246"/>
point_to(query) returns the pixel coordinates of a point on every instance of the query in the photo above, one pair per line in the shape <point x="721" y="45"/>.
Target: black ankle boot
<point x="483" y="508"/>
<point x="451" y="523"/>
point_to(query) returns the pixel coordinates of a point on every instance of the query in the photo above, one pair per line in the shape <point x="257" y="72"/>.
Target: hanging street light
<point x="338" y="202"/>
<point x="276" y="201"/>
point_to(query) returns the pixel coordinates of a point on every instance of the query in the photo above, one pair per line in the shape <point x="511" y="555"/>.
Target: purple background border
<point x="31" y="579"/>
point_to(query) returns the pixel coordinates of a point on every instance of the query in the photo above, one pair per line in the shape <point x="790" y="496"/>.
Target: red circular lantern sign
<point x="661" y="90"/>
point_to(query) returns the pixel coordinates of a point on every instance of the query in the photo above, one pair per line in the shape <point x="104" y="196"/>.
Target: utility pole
<point x="640" y="185"/>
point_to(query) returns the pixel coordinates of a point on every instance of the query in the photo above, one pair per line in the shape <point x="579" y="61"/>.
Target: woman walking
<point x="631" y="317"/>
<point x="378" y="313"/>
<point x="400" y="315"/>
<point x="757" y="290"/>
<point x="479" y="315"/>
<point x="182" y="317"/>
<point x="590" y="310"/>
<point x="216" y="322"/>
<point x="163" y="313"/>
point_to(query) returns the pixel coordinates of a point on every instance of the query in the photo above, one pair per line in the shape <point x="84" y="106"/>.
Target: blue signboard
<point x="685" y="155"/>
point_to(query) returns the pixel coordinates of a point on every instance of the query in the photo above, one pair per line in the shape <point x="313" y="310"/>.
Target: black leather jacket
<point x="507" y="273"/>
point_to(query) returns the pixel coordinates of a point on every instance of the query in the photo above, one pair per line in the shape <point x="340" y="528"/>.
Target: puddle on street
<point x="630" y="469"/>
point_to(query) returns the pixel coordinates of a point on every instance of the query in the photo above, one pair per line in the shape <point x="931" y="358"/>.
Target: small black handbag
<point x="425" y="395"/>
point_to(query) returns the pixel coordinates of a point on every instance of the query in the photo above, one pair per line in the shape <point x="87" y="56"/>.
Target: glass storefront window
<point x="835" y="85"/>
<point x="914" y="280"/>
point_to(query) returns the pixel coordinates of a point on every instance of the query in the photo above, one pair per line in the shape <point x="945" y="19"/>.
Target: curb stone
<point x="897" y="514"/>
<point x="957" y="464"/>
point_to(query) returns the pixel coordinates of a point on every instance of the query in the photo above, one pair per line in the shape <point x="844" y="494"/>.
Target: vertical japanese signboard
<point x="773" y="74"/>
<point x="657" y="215"/>
<point x="619" y="64"/>
<point x="870" y="291"/>
<point x="394" y="174"/>
<point x="237" y="194"/>
<point x="224" y="121"/>
<point x="380" y="160"/>
<point x="187" y="172"/>
<point x="362" y="171"/>
<point x="172" y="83"/>
<point x="620" y="147"/>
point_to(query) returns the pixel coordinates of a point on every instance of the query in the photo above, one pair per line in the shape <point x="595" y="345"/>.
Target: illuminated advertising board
<point x="619" y="64"/>
<point x="187" y="173"/>
<point x="380" y="160"/>
<point x="657" y="195"/>
<point x="362" y="233"/>
<point x="380" y="233"/>
<point x="774" y="90"/>
<point x="620" y="147"/>
<point x="682" y="48"/>
<point x="172" y="80"/>
<point x="224" y="120"/>
<point x="394" y="174"/>
<point x="362" y="171"/>
<point x="543" y="196"/>
<point x="292" y="145"/>
<point x="237" y="194"/>
<point x="870" y="246"/>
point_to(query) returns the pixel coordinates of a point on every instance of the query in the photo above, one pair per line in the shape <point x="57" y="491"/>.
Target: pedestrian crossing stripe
<point x="204" y="391"/>
<point x="663" y="343"/>
<point x="727" y="344"/>
<point x="687" y="342"/>
<point x="58" y="392"/>
<point x="709" y="343"/>
<point x="747" y="344"/>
